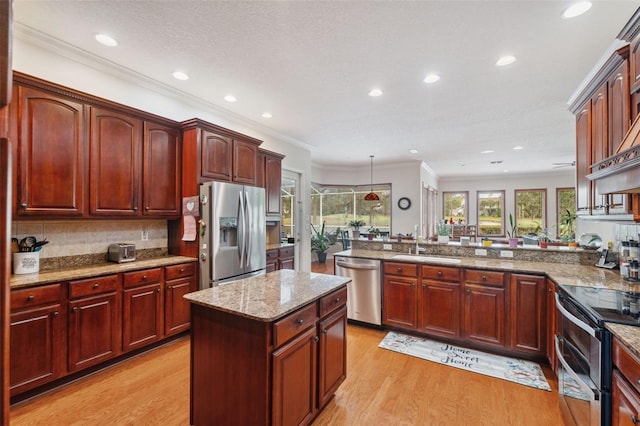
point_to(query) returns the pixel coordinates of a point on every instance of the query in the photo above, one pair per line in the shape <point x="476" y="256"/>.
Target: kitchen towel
<point x="515" y="370"/>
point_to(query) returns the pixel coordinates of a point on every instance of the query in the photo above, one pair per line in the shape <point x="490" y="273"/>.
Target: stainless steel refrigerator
<point x="232" y="233"/>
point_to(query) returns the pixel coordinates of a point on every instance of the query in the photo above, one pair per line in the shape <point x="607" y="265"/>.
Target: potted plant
<point x="443" y="230"/>
<point x="512" y="233"/>
<point x="320" y="243"/>
<point x="543" y="239"/>
<point x="356" y="224"/>
<point x="373" y="233"/>
<point x="567" y="226"/>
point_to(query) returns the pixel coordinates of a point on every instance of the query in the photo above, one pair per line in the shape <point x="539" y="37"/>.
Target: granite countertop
<point x="278" y="245"/>
<point x="629" y="335"/>
<point x="30" y="280"/>
<point x="268" y="297"/>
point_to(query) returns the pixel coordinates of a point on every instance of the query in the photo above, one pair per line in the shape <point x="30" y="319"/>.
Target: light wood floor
<point x="382" y="388"/>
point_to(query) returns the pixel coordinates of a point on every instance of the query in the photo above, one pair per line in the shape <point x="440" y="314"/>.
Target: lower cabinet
<point x="399" y="295"/>
<point x="626" y="386"/>
<point x="484" y="307"/>
<point x="528" y="316"/>
<point x="38" y="340"/>
<point x="180" y="280"/>
<point x="142" y="308"/>
<point x="439" y="301"/>
<point x="332" y="367"/>
<point x="280" y="258"/>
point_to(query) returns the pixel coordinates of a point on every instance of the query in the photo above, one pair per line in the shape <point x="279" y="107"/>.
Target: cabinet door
<point x="115" y="173"/>
<point x="583" y="160"/>
<point x="142" y="316"/>
<point x="37" y="347"/>
<point x="273" y="181"/>
<point x="94" y="330"/>
<point x="528" y="313"/>
<point x="619" y="115"/>
<point x="245" y="155"/>
<point x="260" y="170"/>
<point x="161" y="171"/>
<point x="216" y="156"/>
<point x="177" y="310"/>
<point x="599" y="143"/>
<point x="635" y="63"/>
<point x="439" y="308"/>
<point x="294" y="380"/>
<point x="626" y="402"/>
<point x="551" y="324"/>
<point x="484" y="318"/>
<point x="52" y="155"/>
<point x="399" y="302"/>
<point x="286" y="263"/>
<point x="332" y="361"/>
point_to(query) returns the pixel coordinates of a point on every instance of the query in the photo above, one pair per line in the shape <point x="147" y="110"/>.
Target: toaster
<point x="121" y="252"/>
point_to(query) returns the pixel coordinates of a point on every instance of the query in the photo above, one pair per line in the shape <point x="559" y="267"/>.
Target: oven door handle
<point x="572" y="373"/>
<point x="574" y="319"/>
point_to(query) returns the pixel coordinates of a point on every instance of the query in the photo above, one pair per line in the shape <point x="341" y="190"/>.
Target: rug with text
<point x="515" y="370"/>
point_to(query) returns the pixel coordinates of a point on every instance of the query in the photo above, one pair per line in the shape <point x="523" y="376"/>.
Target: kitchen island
<point x="267" y="350"/>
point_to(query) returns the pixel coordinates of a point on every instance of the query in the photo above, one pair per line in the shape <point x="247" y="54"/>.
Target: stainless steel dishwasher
<point x="364" y="292"/>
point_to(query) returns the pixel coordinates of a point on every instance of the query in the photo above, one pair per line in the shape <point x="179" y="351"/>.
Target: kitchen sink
<point x="416" y="258"/>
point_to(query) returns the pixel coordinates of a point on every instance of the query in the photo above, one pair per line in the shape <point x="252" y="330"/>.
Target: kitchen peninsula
<point x="275" y="342"/>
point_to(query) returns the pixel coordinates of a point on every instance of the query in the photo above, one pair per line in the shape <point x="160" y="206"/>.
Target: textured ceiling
<point x="311" y="65"/>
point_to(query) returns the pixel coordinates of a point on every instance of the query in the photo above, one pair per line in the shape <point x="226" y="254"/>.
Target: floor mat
<point x="515" y="370"/>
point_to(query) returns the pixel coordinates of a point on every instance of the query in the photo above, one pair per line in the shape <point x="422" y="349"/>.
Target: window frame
<point x="558" y="212"/>
<point x="466" y="204"/>
<point x="502" y="222"/>
<point x="543" y="222"/>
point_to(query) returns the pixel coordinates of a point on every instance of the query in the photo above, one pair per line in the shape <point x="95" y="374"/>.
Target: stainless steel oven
<point x="582" y="372"/>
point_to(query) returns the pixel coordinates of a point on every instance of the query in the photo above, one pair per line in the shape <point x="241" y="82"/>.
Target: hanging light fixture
<point x="371" y="196"/>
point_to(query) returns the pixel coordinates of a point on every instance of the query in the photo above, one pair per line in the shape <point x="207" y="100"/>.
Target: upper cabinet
<point x="5" y="52"/>
<point x="270" y="178"/>
<point x="79" y="156"/>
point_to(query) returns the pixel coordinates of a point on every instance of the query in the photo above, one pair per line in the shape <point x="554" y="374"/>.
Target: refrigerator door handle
<point x="249" y="224"/>
<point x="241" y="231"/>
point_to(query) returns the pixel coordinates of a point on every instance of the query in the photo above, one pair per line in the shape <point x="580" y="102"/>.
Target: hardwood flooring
<point x="382" y="388"/>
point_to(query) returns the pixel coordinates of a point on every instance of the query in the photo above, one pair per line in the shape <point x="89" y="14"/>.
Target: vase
<point x="543" y="244"/>
<point x="322" y="257"/>
<point x="370" y="237"/>
<point x="443" y="239"/>
<point x="356" y="234"/>
<point x="513" y="242"/>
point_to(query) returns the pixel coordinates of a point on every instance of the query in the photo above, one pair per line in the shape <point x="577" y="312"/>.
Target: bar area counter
<point x="267" y="350"/>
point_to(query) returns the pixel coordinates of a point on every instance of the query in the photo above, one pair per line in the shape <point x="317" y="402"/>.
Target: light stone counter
<point x="270" y="296"/>
<point x="30" y="280"/>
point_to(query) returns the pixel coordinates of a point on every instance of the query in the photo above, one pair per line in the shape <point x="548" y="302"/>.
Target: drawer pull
<point x="325" y="331"/>
<point x="56" y="313"/>
<point x="169" y="287"/>
<point x="399" y="269"/>
<point x="484" y="278"/>
<point x="30" y="298"/>
<point x="181" y="270"/>
<point x="337" y="300"/>
<point x="316" y="339"/>
<point x="634" y="419"/>
<point x="147" y="208"/>
<point x="96" y="285"/>
<point x="439" y="273"/>
<point x="300" y="321"/>
<point x="144" y="277"/>
<point x="468" y="291"/>
<point x="75" y="309"/>
<point x="23" y="205"/>
<point x="157" y="290"/>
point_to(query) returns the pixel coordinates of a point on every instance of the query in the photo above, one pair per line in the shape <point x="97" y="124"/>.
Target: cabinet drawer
<point x="627" y="363"/>
<point x="35" y="296"/>
<point x="148" y="276"/>
<point x="285" y="252"/>
<point x="333" y="301"/>
<point x="180" y="271"/>
<point x="294" y="323"/>
<point x="404" y="269"/>
<point x="93" y="286"/>
<point x="272" y="254"/>
<point x="495" y="279"/>
<point x="441" y="273"/>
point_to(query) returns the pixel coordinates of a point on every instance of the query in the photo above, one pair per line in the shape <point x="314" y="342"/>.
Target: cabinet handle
<point x="413" y="285"/>
<point x="96" y="285"/>
<point x="468" y="291"/>
<point x="135" y="209"/>
<point x="484" y="278"/>
<point x="56" y="313"/>
<point x="181" y="270"/>
<point x="147" y="208"/>
<point x="23" y="205"/>
<point x="30" y="298"/>
<point x="157" y="290"/>
<point x="316" y="339"/>
<point x="144" y="277"/>
<point x="634" y="419"/>
<point x="399" y="269"/>
<point x="337" y="300"/>
<point x="638" y="382"/>
<point x="325" y="331"/>
<point x="75" y="309"/>
<point x="300" y="321"/>
<point x="439" y="273"/>
<point x="424" y="286"/>
<point x="170" y="287"/>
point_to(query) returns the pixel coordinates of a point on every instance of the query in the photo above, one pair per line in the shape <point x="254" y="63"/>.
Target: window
<point x="338" y="205"/>
<point x="455" y="206"/>
<point x="491" y="213"/>
<point x="566" y="213"/>
<point x="531" y="211"/>
<point x="288" y="197"/>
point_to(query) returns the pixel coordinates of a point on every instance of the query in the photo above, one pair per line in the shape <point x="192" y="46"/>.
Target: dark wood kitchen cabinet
<point x="142" y="308"/>
<point x="161" y="171"/>
<point x="583" y="160"/>
<point x="179" y="280"/>
<point x="485" y="298"/>
<point x="216" y="156"/>
<point x="439" y="301"/>
<point x="51" y="161"/>
<point x="400" y="295"/>
<point x="94" y="326"/>
<point x="626" y="386"/>
<point x="528" y="314"/>
<point x="38" y="345"/>
<point x="272" y="260"/>
<point x="115" y="158"/>
<point x="269" y="177"/>
<point x="332" y="351"/>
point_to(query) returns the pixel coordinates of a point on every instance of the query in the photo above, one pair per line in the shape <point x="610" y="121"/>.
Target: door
<point x="255" y="242"/>
<point x="291" y="210"/>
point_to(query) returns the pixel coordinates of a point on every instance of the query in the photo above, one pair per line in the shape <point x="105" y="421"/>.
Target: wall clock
<point x="404" y="203"/>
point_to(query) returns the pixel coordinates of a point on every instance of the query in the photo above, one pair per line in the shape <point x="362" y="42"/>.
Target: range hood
<point x="620" y="173"/>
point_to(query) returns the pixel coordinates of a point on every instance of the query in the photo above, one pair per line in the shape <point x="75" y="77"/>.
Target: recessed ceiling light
<point x="506" y="60"/>
<point x="106" y="40"/>
<point x="488" y="151"/>
<point x="431" y="78"/>
<point x="375" y="92"/>
<point x="576" y="9"/>
<point x="230" y="98"/>
<point x="180" y="75"/>
<point x="413" y="151"/>
<point x="267" y="115"/>
<point x="517" y="148"/>
<point x="506" y="171"/>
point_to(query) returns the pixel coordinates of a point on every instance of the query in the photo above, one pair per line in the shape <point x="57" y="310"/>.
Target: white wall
<point x="60" y="64"/>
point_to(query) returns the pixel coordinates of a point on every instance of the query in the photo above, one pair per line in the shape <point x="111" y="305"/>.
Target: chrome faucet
<point x="418" y="248"/>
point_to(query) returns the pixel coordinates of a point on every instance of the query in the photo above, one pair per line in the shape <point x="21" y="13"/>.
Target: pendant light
<point x="371" y="196"/>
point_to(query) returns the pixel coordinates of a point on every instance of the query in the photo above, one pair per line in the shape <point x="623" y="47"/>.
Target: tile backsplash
<point x="76" y="238"/>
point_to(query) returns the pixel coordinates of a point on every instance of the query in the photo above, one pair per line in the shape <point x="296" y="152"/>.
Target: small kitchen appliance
<point x="121" y="252"/>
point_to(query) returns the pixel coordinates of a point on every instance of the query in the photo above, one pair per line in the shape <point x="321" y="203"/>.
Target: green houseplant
<point x="512" y="233"/>
<point x="443" y="230"/>
<point x="320" y="243"/>
<point x="356" y="224"/>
